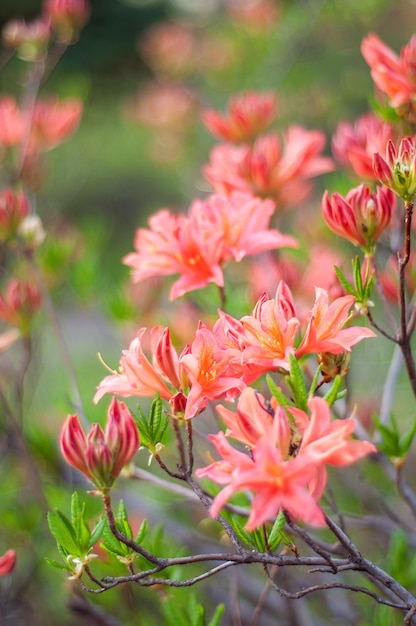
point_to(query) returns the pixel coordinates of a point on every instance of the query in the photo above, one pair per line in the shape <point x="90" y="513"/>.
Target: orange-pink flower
<point x="101" y="455"/>
<point x="326" y="442"/>
<point x="14" y="207"/>
<point x="393" y="75"/>
<point x="398" y="169"/>
<point x="7" y="562"/>
<point x="354" y="145"/>
<point x="362" y="216"/>
<point x="325" y="330"/>
<point x="196" y="246"/>
<point x="68" y="17"/>
<point x="139" y="377"/>
<point x="209" y="373"/>
<point x="248" y="115"/>
<point x="269" y="168"/>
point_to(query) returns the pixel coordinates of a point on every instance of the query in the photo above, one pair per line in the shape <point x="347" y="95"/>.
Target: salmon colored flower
<point x="362" y="216"/>
<point x="327" y="442"/>
<point x="139" y="377"/>
<point x="254" y="418"/>
<point x="68" y="17"/>
<point x="276" y="484"/>
<point x="11" y="122"/>
<point x="398" y="169"/>
<point x="268" y="168"/>
<point x="169" y="48"/>
<point x="210" y="376"/>
<point x="325" y="330"/>
<point x="101" y="455"/>
<point x="393" y="75"/>
<point x="53" y="122"/>
<point x="269" y="333"/>
<point x="19" y="301"/>
<point x="14" y="208"/>
<point x="248" y="115"/>
<point x="197" y="245"/>
<point x="354" y="145"/>
<point x="7" y="562"/>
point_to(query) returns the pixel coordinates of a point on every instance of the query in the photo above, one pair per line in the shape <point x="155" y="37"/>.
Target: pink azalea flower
<point x="325" y="330"/>
<point x="393" y="75"/>
<point x="254" y="419"/>
<point x="398" y="169"/>
<point x="11" y="122"/>
<point x="276" y="483"/>
<point x="327" y="442"/>
<point x="68" y="17"/>
<point x="209" y="374"/>
<point x="354" y="145"/>
<point x="196" y="246"/>
<point x="139" y="377"/>
<point x="362" y="216"/>
<point x="7" y="562"/>
<point x="101" y="455"/>
<point x="54" y="121"/>
<point x="248" y="115"/>
<point x="267" y="168"/>
<point x="269" y="333"/>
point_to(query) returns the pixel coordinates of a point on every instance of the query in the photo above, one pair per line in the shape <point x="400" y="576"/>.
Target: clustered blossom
<point x="362" y="216"/>
<point x="398" y="169"/>
<point x="220" y="362"/>
<point x="354" y="145"/>
<point x="393" y="75"/>
<point x="101" y="455"/>
<point x="270" y="167"/>
<point x="196" y="246"/>
<point x="289" y="452"/>
<point x="248" y="115"/>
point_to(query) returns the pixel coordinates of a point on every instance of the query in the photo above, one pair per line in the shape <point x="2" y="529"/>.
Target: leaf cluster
<point x="153" y="427"/>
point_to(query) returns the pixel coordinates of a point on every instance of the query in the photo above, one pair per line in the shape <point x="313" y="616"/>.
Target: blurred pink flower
<point x="29" y="39"/>
<point x="11" y="122"/>
<point x="19" y="302"/>
<point x="196" y="246"/>
<point x="268" y="168"/>
<point x="169" y="48"/>
<point x="101" y="455"/>
<point x="54" y="121"/>
<point x="393" y="75"/>
<point x="256" y="15"/>
<point x="248" y="115"/>
<point x="325" y="330"/>
<point x="7" y="562"/>
<point x="354" y="145"/>
<point x="14" y="207"/>
<point x="362" y="216"/>
<point x="68" y="17"/>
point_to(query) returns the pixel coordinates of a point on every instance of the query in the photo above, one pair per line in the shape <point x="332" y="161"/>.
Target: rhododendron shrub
<point x="253" y="329"/>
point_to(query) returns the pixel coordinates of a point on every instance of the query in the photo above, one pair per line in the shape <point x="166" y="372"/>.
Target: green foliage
<point x="73" y="536"/>
<point x="393" y="444"/>
<point x="362" y="287"/>
<point x="262" y="539"/>
<point x="113" y="545"/>
<point x="193" y="614"/>
<point x="297" y="384"/>
<point x="335" y="392"/>
<point x="154" y="426"/>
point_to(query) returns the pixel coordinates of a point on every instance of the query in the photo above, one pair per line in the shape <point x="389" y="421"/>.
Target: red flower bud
<point x="7" y="562"/>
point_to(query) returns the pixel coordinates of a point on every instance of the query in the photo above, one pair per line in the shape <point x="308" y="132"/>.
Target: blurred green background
<point x="105" y="182"/>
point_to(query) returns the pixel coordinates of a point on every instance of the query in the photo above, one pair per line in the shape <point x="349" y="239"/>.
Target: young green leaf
<point x="275" y="534"/>
<point x="297" y="384"/>
<point x="276" y="392"/>
<point x="63" y="532"/>
<point x="216" y="618"/>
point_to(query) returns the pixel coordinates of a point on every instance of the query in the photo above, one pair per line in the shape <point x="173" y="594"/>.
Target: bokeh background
<point x="140" y="147"/>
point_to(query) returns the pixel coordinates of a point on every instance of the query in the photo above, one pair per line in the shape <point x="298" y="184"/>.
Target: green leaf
<point x="243" y="535"/>
<point x="297" y="384"/>
<point x="216" y="618"/>
<point x="142" y="532"/>
<point x="158" y="421"/>
<point x="276" y="392"/>
<point x="97" y="532"/>
<point x="57" y="564"/>
<point x="314" y="382"/>
<point x="196" y="612"/>
<point x="63" y="532"/>
<point x="356" y="269"/>
<point x="275" y="534"/>
<point x="111" y="543"/>
<point x="344" y="282"/>
<point x="333" y="394"/>
<point x="406" y="440"/>
<point x="80" y="526"/>
<point x="145" y="436"/>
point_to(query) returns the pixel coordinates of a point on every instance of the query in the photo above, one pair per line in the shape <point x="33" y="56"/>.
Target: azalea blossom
<point x="196" y="246"/>
<point x="362" y="216"/>
<point x="19" y="301"/>
<point x="327" y="442"/>
<point x="137" y="376"/>
<point x="7" y="562"/>
<point x="101" y="455"/>
<point x="398" y="169"/>
<point x="248" y="115"/>
<point x="270" y="168"/>
<point x="209" y="374"/>
<point x="354" y="144"/>
<point x="325" y="330"/>
<point x="393" y="75"/>
<point x="14" y="208"/>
